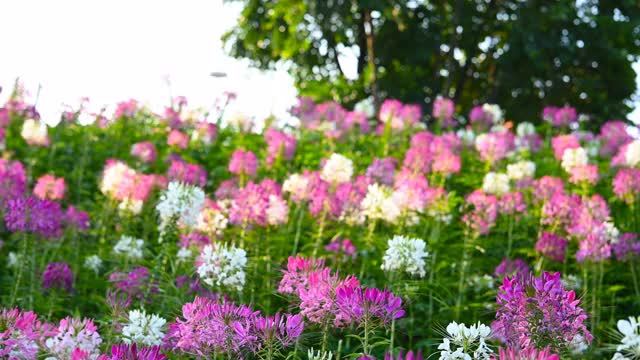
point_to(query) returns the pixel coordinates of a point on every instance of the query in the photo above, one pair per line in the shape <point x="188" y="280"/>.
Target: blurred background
<point x="520" y="54"/>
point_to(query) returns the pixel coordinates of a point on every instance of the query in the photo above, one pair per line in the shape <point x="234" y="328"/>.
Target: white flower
<point x="481" y="282"/>
<point x="184" y="254"/>
<point x="296" y="184"/>
<point x="629" y="333"/>
<point x="35" y="132"/>
<point x="611" y="231"/>
<point x="131" y="206"/>
<point x="143" y="329"/>
<point x="525" y="129"/>
<point x="14" y="260"/>
<point x="181" y="203"/>
<point x="93" y="262"/>
<point x="129" y="247"/>
<point x="574" y="157"/>
<point x="521" y="170"/>
<point x="495" y="111"/>
<point x="495" y="183"/>
<point x="379" y="204"/>
<point x="278" y="210"/>
<point x="632" y="155"/>
<point x="578" y="344"/>
<point x="405" y="254"/>
<point x="223" y="266"/>
<point x="465" y="342"/>
<point x="338" y="169"/>
<point x="571" y="282"/>
<point x="366" y="106"/>
<point x="467" y="135"/>
<point x="211" y="221"/>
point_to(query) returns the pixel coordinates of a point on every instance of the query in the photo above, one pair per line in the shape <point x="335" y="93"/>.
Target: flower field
<point x="396" y="235"/>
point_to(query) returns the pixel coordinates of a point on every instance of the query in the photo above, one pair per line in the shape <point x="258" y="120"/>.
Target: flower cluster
<point x="405" y="255"/>
<point x="143" y="329"/>
<point x="222" y="266"/>
<point x="462" y="342"/>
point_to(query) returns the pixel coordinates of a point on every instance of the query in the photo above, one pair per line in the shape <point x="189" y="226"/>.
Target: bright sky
<point x="119" y="49"/>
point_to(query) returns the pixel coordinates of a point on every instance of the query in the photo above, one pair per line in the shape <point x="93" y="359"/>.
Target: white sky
<point x="120" y="49"/>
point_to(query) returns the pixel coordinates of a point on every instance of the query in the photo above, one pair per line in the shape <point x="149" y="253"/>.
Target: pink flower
<point x="357" y="305"/>
<point x="561" y="143"/>
<point x="494" y="147"/>
<point x="279" y="145"/>
<point x="512" y="203"/>
<point x="145" y="151"/>
<point x="21" y="334"/>
<point x="185" y="172"/>
<point x="546" y="187"/>
<point x="584" y="173"/>
<point x="13" y="180"/>
<point x="443" y="109"/>
<point x="446" y="163"/>
<point x="49" y="187"/>
<point x="565" y="116"/>
<point x="552" y="246"/>
<point x="178" y="139"/>
<point x="530" y="353"/>
<point x="483" y="212"/>
<point x="613" y="134"/>
<point x="626" y="185"/>
<point x="243" y="163"/>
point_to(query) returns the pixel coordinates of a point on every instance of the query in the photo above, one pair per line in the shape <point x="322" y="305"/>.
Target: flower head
<point x="57" y="275"/>
<point x="405" y="255"/>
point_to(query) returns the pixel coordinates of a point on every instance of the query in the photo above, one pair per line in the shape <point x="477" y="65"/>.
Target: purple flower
<point x="443" y="109"/>
<point x="42" y="217"/>
<point x="76" y="218"/>
<point x="57" y="275"/>
<point x="512" y="203"/>
<point x="133" y="352"/>
<point x="538" y="312"/>
<point x="564" y="116"/>
<point x="357" y="305"/>
<point x="552" y="246"/>
<point x="135" y="284"/>
<point x="511" y="268"/>
<point x="208" y="326"/>
<point x="626" y="185"/>
<point x="13" y="180"/>
<point x="284" y="329"/>
<point x="627" y="247"/>
<point x="381" y="170"/>
<point x="342" y="247"/>
<point x="613" y="134"/>
<point x="529" y="353"/>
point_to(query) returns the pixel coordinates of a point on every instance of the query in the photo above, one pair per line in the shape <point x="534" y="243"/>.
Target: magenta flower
<point x="552" y="246"/>
<point x="480" y="119"/>
<point x="283" y="329"/>
<point x="529" y="353"/>
<point x="57" y="275"/>
<point x="296" y="276"/>
<point x="538" y="312"/>
<point x="187" y="173"/>
<point x="145" y="151"/>
<point x="126" y="108"/>
<point x="42" y="217"/>
<point x="133" y="352"/>
<point x="21" y="334"/>
<point x="564" y="116"/>
<point x="249" y="206"/>
<point x="243" y="163"/>
<point x="208" y="326"/>
<point x="279" y="145"/>
<point x="410" y="355"/>
<point x="76" y="218"/>
<point x="49" y="187"/>
<point x="357" y="305"/>
<point x="343" y="247"/>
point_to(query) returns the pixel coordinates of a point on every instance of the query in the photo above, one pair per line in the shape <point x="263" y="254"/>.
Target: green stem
<point x="392" y="337"/>
<point x="320" y="232"/>
<point x="365" y="345"/>
<point x="634" y="275"/>
<point x="461" y="280"/>
<point x="22" y="258"/>
<point x="509" y="236"/>
<point x="296" y="240"/>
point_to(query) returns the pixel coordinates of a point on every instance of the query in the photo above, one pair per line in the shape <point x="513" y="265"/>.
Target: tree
<point x="521" y="54"/>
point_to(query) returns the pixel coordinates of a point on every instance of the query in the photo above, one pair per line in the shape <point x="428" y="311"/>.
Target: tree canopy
<point x="520" y="54"/>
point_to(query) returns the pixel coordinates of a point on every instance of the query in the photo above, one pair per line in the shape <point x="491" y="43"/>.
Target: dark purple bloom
<point x="76" y="218"/>
<point x="511" y="268"/>
<point x="357" y="304"/>
<point x="57" y="275"/>
<point x="135" y="284"/>
<point x="382" y="170"/>
<point x="42" y="217"/>
<point x="133" y="352"/>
